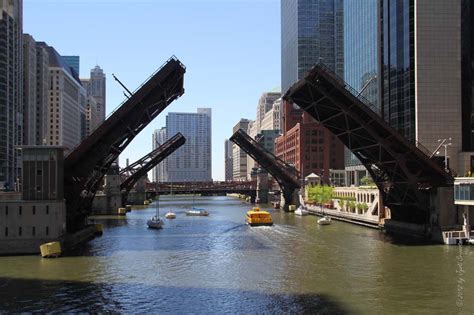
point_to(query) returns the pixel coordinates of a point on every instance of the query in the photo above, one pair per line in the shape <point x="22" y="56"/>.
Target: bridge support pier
<point x="289" y="197"/>
<point x="262" y="186"/>
<point x="135" y="198"/>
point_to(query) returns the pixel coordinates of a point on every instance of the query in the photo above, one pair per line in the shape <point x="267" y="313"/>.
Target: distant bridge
<point x="202" y="188"/>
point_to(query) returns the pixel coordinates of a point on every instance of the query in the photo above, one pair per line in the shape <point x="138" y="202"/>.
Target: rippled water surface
<point x="217" y="264"/>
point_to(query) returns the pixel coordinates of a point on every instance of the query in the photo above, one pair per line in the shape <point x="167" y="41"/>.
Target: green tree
<point x="367" y="181"/>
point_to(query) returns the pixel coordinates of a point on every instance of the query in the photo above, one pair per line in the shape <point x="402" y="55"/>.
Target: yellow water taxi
<point x="256" y="217"/>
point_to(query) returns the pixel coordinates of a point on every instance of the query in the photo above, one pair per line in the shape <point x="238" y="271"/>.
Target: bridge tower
<point x="262" y="186"/>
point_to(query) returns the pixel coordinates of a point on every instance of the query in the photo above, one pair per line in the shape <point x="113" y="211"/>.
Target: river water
<point x="217" y="264"/>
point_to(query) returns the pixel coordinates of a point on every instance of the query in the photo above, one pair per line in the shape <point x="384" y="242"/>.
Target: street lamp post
<point x="445" y="144"/>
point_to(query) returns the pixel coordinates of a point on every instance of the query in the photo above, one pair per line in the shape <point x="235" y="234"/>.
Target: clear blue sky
<point x="231" y="50"/>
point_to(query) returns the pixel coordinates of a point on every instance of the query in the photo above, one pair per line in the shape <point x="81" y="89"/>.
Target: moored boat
<point x="155" y="223"/>
<point x="301" y="211"/>
<point x="257" y="217"/>
<point x="324" y="220"/>
<point x="170" y="215"/>
<point x="202" y="213"/>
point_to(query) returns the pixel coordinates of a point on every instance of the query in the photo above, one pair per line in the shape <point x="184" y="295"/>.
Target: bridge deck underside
<point x="286" y="175"/>
<point x="402" y="172"/>
<point x="159" y="154"/>
<point x="86" y="165"/>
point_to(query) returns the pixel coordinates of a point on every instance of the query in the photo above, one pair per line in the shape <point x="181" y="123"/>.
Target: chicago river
<point x="218" y="264"/>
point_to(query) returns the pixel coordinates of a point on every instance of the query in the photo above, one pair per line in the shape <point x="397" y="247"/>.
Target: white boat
<point x="202" y="213"/>
<point x="156" y="222"/>
<point x="197" y="211"/>
<point x="301" y="211"/>
<point x="324" y="220"/>
<point x="170" y="215"/>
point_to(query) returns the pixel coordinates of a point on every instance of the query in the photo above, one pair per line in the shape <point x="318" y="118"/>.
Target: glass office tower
<point x="361" y="65"/>
<point x="398" y="65"/>
<point x="312" y="32"/>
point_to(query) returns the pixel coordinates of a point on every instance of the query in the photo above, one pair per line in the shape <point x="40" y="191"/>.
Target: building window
<point x="47" y="209"/>
<point x="6" y="210"/>
<point x="19" y="210"/>
<point x="6" y="231"/>
<point x="19" y="231"/>
<point x="39" y="172"/>
<point x="33" y="230"/>
<point x="38" y="189"/>
<point x="34" y="210"/>
<point x="47" y="230"/>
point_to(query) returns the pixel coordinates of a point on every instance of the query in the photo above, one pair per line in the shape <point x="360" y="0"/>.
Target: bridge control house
<point x="37" y="214"/>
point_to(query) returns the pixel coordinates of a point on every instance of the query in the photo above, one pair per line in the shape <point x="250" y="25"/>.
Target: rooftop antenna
<point x="121" y="84"/>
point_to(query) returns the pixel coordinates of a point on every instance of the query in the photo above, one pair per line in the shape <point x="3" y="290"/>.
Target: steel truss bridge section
<point x="86" y="165"/>
<point x="137" y="170"/>
<point x="286" y="175"/>
<point x="401" y="169"/>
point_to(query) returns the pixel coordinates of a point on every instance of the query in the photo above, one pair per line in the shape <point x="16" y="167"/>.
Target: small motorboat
<point x="324" y="220"/>
<point x="155" y="223"/>
<point x="202" y="213"/>
<point x="170" y="215"/>
<point x="301" y="211"/>
<point x="256" y="217"/>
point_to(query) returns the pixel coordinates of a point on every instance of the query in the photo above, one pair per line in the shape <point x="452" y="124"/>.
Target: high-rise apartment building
<point x="73" y="62"/>
<point x="35" y="91"/>
<point x="29" y="90"/>
<point x="228" y="160"/>
<point x="239" y="157"/>
<point x="311" y="32"/>
<point x="265" y="104"/>
<point x="66" y="116"/>
<point x="193" y="161"/>
<point x="92" y="121"/>
<point x="11" y="91"/>
<point x="272" y="120"/>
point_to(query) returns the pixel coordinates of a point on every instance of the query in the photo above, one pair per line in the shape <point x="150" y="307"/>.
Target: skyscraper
<point x="265" y="104"/>
<point x="73" y="62"/>
<point x="239" y="157"/>
<point x="35" y="91"/>
<point x="66" y="116"/>
<point x="421" y="87"/>
<point x="97" y="90"/>
<point x="11" y="91"/>
<point x="311" y="32"/>
<point x="361" y="64"/>
<point x="193" y="161"/>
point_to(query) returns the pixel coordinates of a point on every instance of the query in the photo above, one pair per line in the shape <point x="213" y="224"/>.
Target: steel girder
<point x="138" y="169"/>
<point x="86" y="165"/>
<point x="286" y="175"/>
<point x="401" y="170"/>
